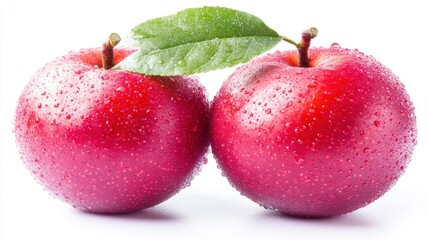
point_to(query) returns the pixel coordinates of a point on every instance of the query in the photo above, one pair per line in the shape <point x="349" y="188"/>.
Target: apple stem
<point x="107" y="50"/>
<point x="303" y="46"/>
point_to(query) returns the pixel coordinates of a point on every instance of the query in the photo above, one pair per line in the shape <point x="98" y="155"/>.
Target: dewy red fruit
<point x="318" y="141"/>
<point x="111" y="141"/>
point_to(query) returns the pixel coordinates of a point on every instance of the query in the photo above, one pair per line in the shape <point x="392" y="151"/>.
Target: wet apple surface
<point x="111" y="141"/>
<point x="318" y="141"/>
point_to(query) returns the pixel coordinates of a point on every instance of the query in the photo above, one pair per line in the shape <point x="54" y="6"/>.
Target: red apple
<point x="111" y="141"/>
<point x="318" y="141"/>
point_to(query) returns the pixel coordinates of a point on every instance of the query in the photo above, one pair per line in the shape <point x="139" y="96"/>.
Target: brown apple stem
<point x="107" y="51"/>
<point x="303" y="46"/>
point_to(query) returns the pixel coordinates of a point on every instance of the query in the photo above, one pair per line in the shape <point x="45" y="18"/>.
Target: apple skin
<point x="313" y="142"/>
<point x="111" y="141"/>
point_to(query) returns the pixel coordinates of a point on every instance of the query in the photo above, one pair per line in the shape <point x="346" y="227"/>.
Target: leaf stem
<point x="107" y="50"/>
<point x="286" y="39"/>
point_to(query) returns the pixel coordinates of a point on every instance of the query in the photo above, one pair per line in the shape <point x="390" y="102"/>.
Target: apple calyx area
<point x="107" y="50"/>
<point x="303" y="46"/>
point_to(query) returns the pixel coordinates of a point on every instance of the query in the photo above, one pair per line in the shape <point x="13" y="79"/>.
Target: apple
<point x="316" y="132"/>
<point x="107" y="140"/>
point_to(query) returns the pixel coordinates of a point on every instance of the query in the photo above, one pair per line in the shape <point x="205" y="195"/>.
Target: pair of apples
<point x="313" y="141"/>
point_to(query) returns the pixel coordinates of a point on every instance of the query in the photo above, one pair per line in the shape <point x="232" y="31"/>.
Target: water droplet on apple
<point x="335" y="45"/>
<point x="376" y="123"/>
<point x="120" y="89"/>
<point x="312" y="84"/>
<point x="299" y="160"/>
<point x="195" y="128"/>
<point x="56" y="105"/>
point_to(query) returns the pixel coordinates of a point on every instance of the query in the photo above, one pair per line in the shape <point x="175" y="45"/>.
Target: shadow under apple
<point x="156" y="213"/>
<point x="350" y="220"/>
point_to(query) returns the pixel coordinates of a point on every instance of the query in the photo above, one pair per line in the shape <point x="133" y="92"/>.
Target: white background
<point x="35" y="32"/>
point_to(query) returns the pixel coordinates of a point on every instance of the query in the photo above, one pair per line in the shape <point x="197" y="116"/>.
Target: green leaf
<point x="198" y="40"/>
